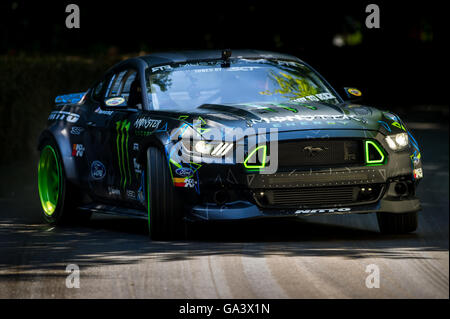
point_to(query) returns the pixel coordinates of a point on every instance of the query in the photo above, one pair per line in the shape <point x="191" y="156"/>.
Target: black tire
<point x="165" y="211"/>
<point x="390" y="223"/>
<point x="65" y="212"/>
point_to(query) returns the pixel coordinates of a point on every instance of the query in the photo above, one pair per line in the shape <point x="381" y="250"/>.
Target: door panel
<point x="115" y="177"/>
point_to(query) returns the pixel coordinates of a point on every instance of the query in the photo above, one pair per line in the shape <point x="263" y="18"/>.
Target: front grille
<point x="318" y="196"/>
<point x="311" y="152"/>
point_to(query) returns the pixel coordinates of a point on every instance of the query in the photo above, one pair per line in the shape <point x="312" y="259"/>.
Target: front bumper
<point x="246" y="210"/>
<point x="242" y="187"/>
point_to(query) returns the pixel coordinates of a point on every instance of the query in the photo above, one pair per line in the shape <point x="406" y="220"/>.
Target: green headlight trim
<point x="263" y="162"/>
<point x="367" y="155"/>
<point x="49" y="180"/>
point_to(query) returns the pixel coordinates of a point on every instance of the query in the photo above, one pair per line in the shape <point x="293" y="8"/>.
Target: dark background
<point x="401" y="66"/>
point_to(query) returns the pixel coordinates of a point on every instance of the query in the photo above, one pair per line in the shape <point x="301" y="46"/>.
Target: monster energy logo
<point x="122" y="128"/>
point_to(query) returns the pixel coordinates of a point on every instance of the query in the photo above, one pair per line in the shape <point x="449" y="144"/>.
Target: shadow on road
<point x="118" y="241"/>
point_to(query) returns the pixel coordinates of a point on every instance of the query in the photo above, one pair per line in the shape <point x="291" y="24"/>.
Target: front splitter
<point x="246" y="210"/>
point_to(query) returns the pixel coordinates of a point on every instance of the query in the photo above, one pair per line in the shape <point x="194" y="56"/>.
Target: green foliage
<point x="28" y="89"/>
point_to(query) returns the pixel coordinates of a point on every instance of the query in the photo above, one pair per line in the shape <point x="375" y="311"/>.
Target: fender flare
<point x="157" y="141"/>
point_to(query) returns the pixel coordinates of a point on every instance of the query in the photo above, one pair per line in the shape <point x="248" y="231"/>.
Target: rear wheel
<point x="165" y="211"/>
<point x="58" y="197"/>
<point x="390" y="223"/>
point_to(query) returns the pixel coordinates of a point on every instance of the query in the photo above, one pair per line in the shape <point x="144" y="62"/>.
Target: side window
<point x="130" y="77"/>
<point x="115" y="84"/>
<point x="98" y="90"/>
<point x="124" y="89"/>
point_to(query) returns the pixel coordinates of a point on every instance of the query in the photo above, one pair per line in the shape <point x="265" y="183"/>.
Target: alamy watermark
<point x="73" y="19"/>
<point x="373" y="279"/>
<point x="73" y="279"/>
<point x="373" y="19"/>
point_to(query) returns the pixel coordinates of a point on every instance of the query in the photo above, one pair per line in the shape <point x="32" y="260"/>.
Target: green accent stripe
<point x="127" y="127"/>
<point x="148" y="201"/>
<point x="118" y="124"/>
<point x="175" y="163"/>
<point x="123" y="128"/>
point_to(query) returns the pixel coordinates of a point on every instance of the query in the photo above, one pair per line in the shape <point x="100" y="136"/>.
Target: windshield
<point x="188" y="85"/>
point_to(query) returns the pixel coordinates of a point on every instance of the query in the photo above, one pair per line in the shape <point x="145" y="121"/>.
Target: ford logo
<point x="313" y="151"/>
<point x="98" y="170"/>
<point x="184" y="171"/>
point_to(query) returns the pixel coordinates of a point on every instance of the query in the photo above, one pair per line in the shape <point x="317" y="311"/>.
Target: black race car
<point x="219" y="135"/>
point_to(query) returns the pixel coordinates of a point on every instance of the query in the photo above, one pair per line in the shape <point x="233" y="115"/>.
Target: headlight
<point x="203" y="147"/>
<point x="213" y="148"/>
<point x="397" y="142"/>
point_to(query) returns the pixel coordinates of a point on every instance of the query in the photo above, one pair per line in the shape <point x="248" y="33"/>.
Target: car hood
<point x="291" y="116"/>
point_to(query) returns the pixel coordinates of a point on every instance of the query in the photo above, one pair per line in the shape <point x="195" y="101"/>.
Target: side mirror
<point x="352" y="94"/>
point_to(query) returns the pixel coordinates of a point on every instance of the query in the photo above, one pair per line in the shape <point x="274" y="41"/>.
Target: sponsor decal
<point x="113" y="191"/>
<point x="143" y="133"/>
<point x="231" y="69"/>
<point x="311" y="118"/>
<point x="184" y="171"/>
<point x="398" y="125"/>
<point x="323" y="210"/>
<point x="183" y="182"/>
<point x="98" y="170"/>
<point x="161" y="68"/>
<point x="64" y="116"/>
<point x="354" y="92"/>
<point x="137" y="166"/>
<point x="416" y="158"/>
<point x="77" y="150"/>
<point x="146" y="123"/>
<point x="70" y="98"/>
<point x="316" y="97"/>
<point x="115" y="101"/>
<point x="141" y="190"/>
<point x="288" y="108"/>
<point x="103" y="112"/>
<point x="76" y="130"/>
<point x="122" y="129"/>
<point x="131" y="194"/>
<point x="418" y="173"/>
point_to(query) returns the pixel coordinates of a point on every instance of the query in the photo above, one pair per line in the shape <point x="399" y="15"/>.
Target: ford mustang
<point x="182" y="137"/>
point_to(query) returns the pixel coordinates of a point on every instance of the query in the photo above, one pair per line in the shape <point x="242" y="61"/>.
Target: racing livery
<point x="183" y="137"/>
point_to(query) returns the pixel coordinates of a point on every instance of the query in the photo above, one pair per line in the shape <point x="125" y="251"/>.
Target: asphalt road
<point x="316" y="257"/>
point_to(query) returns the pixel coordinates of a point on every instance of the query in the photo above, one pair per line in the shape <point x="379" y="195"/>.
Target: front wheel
<point x="390" y="223"/>
<point x="165" y="214"/>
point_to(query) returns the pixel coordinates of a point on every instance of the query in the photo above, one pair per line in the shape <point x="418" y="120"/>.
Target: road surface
<point x="316" y="257"/>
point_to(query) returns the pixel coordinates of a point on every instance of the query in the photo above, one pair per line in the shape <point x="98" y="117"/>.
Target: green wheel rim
<point x="49" y="181"/>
